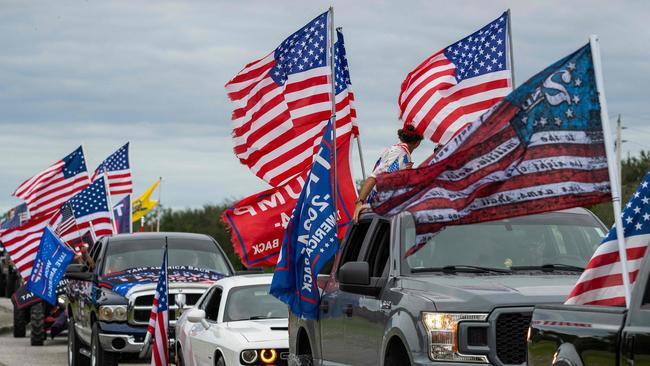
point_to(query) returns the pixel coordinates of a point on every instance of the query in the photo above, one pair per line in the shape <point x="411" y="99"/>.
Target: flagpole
<point x="159" y="206"/>
<point x="512" y="59"/>
<point x="130" y="214"/>
<point x="167" y="290"/>
<point x="333" y="116"/>
<point x="110" y="203"/>
<point x="612" y="166"/>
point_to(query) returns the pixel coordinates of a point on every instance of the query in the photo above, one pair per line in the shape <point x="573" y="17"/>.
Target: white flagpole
<point x="612" y="166"/>
<point x="130" y="214"/>
<point x="110" y="203"/>
<point x="511" y="59"/>
<point x="333" y="116"/>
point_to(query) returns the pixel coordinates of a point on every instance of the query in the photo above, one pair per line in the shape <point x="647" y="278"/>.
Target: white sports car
<point x="236" y="322"/>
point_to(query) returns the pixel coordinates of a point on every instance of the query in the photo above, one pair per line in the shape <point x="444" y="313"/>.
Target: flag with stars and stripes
<point x="283" y="101"/>
<point x="47" y="190"/>
<point x="117" y="170"/>
<point x="540" y="149"/>
<point x="21" y="243"/>
<point x="90" y="211"/>
<point x="159" y="318"/>
<point x="459" y="83"/>
<point x="602" y="282"/>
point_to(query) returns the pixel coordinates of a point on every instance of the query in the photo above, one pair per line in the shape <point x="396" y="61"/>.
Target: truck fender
<point x="566" y="355"/>
<point x="400" y="326"/>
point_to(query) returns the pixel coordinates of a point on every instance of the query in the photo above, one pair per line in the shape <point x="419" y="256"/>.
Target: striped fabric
<point x="602" y="282"/>
<point x="282" y="103"/>
<point x="117" y="169"/>
<point x="459" y="83"/>
<point x="48" y="190"/>
<point x="22" y="243"/>
<point x="159" y="319"/>
<point x="534" y="152"/>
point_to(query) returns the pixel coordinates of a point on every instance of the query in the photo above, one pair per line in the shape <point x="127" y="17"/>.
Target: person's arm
<point x="366" y="188"/>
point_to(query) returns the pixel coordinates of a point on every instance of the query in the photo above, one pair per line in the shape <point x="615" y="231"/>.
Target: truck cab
<point x="110" y="297"/>
<point x="464" y="297"/>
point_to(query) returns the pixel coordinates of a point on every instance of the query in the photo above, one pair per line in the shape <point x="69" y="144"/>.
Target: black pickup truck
<point x="110" y="298"/>
<point x="464" y="298"/>
<point x="577" y="335"/>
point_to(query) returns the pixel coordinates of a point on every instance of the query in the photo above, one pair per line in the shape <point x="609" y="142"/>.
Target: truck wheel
<point x="75" y="358"/>
<point x="397" y="355"/>
<point x="12" y="285"/>
<point x="99" y="357"/>
<point x="37" y="321"/>
<point x="20" y="323"/>
<point x="3" y="284"/>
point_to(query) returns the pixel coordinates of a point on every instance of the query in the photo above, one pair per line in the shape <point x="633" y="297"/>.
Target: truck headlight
<point x="110" y="313"/>
<point x="442" y="329"/>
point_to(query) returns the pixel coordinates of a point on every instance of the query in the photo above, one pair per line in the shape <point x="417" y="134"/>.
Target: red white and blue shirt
<point x="394" y="158"/>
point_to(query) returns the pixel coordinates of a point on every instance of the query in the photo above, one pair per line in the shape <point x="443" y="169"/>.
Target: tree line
<point x="207" y="220"/>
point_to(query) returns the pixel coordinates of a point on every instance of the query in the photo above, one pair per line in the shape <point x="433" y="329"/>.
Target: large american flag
<point x="602" y="282"/>
<point x="457" y="84"/>
<point x="540" y="149"/>
<point x="159" y="319"/>
<point x="47" y="190"/>
<point x="22" y="243"/>
<point x="118" y="171"/>
<point x="87" y="210"/>
<point x="283" y="101"/>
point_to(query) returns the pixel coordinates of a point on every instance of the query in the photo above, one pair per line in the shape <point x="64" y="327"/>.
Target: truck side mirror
<point x="355" y="273"/>
<point x="77" y="271"/>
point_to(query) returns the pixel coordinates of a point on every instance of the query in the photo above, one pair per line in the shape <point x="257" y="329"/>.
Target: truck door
<point x="366" y="313"/>
<point x="332" y="317"/>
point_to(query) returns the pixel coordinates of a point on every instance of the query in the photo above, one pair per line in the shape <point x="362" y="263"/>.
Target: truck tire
<point x="37" y="322"/>
<point x="397" y="355"/>
<point x="3" y="284"/>
<point x="99" y="357"/>
<point x="75" y="358"/>
<point x="12" y="283"/>
<point x="20" y="323"/>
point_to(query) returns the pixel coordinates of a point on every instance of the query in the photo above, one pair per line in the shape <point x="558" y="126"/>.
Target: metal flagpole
<point x="333" y="116"/>
<point x="130" y="214"/>
<point x="512" y="59"/>
<point x="363" y="167"/>
<point x="612" y="166"/>
<point x="92" y="228"/>
<point x="110" y="203"/>
<point x="159" y="206"/>
<point x="619" y="148"/>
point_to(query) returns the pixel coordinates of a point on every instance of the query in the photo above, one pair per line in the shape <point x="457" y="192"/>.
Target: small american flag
<point x="47" y="190"/>
<point x="282" y="103"/>
<point x="457" y="84"/>
<point x="159" y="318"/>
<point x="22" y="243"/>
<point x="118" y="171"/>
<point x="90" y="211"/>
<point x="540" y="149"/>
<point x="602" y="282"/>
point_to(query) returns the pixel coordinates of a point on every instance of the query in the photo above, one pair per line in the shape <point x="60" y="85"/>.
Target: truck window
<point x="379" y="250"/>
<point x="355" y="241"/>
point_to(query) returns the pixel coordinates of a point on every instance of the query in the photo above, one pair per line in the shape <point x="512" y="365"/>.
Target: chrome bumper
<point x="130" y="345"/>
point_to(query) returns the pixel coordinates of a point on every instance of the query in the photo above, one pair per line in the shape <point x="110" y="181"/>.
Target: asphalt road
<point x="18" y="352"/>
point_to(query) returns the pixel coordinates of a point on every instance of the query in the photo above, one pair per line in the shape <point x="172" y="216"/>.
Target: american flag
<point x="159" y="318"/>
<point x="118" y="171"/>
<point x="46" y="191"/>
<point x="89" y="210"/>
<point x="540" y="149"/>
<point x="457" y="84"/>
<point x="602" y="282"/>
<point x="14" y="217"/>
<point x="282" y="103"/>
<point x="22" y="243"/>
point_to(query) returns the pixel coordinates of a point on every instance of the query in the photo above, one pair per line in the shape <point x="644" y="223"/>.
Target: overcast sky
<point x="102" y="73"/>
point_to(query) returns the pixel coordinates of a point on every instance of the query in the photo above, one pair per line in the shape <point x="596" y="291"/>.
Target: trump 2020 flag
<point x="122" y="214"/>
<point x="602" y="282"/>
<point x="310" y="240"/>
<point x="49" y="266"/>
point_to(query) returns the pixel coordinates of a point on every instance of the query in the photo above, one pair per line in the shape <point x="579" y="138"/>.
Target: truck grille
<point x="140" y="305"/>
<point x="511" y="332"/>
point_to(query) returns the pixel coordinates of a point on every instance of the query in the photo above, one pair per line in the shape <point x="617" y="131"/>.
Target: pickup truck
<point x="577" y="335"/>
<point x="110" y="298"/>
<point x="466" y="297"/>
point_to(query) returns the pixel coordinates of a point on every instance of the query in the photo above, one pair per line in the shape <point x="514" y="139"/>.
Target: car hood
<point x="261" y="330"/>
<point x="485" y="292"/>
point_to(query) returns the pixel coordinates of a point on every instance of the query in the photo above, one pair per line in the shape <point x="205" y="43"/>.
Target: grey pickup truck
<point x="581" y="335"/>
<point x="466" y="297"/>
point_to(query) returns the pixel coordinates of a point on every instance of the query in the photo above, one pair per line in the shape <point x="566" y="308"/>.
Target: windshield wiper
<point x="461" y="268"/>
<point x="549" y="267"/>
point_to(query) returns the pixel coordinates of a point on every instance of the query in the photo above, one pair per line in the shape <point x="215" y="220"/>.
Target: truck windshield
<point x="253" y="302"/>
<point x="563" y="239"/>
<point x="199" y="253"/>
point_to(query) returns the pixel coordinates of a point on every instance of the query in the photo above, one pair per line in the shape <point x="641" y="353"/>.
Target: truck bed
<point x="583" y="335"/>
